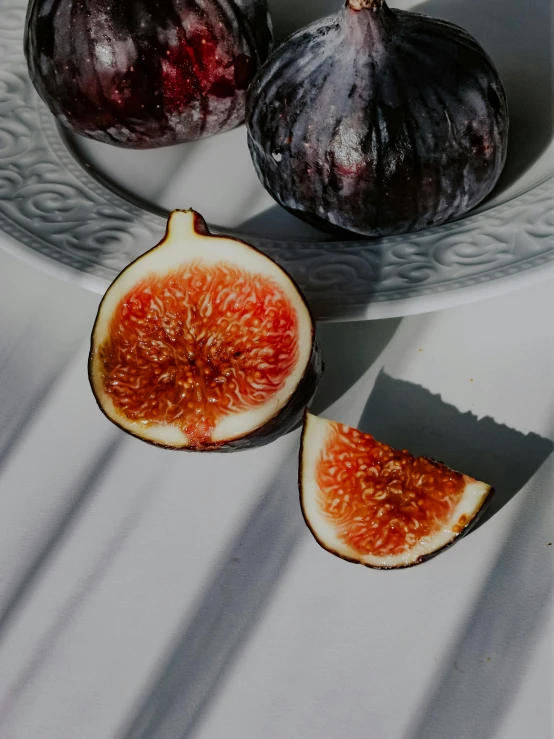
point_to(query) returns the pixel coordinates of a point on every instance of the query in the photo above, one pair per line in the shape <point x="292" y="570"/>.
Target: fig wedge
<point x="203" y="343"/>
<point x="371" y="504"/>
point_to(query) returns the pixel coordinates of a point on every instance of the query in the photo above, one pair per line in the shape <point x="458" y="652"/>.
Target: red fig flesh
<point x="369" y="503"/>
<point x="203" y="343"/>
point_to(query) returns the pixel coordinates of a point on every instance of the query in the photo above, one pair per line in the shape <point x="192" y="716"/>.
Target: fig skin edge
<point x="286" y="419"/>
<point x="423" y="558"/>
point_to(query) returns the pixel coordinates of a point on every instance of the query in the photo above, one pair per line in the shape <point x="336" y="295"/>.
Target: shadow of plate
<point x="349" y="350"/>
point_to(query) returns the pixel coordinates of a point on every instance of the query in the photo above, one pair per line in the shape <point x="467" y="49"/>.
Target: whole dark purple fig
<point x="378" y="121"/>
<point x="146" y="73"/>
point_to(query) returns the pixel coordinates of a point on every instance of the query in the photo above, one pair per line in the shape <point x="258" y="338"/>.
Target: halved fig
<point x="378" y="506"/>
<point x="203" y="343"/>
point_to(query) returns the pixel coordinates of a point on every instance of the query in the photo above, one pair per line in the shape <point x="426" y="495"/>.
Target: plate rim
<point x="398" y="308"/>
<point x="300" y="257"/>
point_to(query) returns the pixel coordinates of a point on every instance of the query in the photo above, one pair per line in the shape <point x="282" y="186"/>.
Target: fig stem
<point x="365" y="4"/>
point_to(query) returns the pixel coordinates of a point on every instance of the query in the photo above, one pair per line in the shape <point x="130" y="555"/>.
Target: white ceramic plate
<point x="83" y="210"/>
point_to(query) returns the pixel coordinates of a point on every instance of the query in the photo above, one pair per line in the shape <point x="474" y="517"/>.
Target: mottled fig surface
<point x="146" y="73"/>
<point x="378" y="121"/>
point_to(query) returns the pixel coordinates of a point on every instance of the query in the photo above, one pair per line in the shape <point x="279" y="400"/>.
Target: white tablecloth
<point x="148" y="594"/>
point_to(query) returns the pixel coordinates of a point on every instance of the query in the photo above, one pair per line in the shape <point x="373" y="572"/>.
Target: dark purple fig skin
<point x="378" y="121"/>
<point x="146" y="73"/>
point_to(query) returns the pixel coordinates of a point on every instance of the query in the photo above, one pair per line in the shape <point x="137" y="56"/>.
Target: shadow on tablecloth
<point x="255" y="561"/>
<point x="408" y="416"/>
<point x="481" y="674"/>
